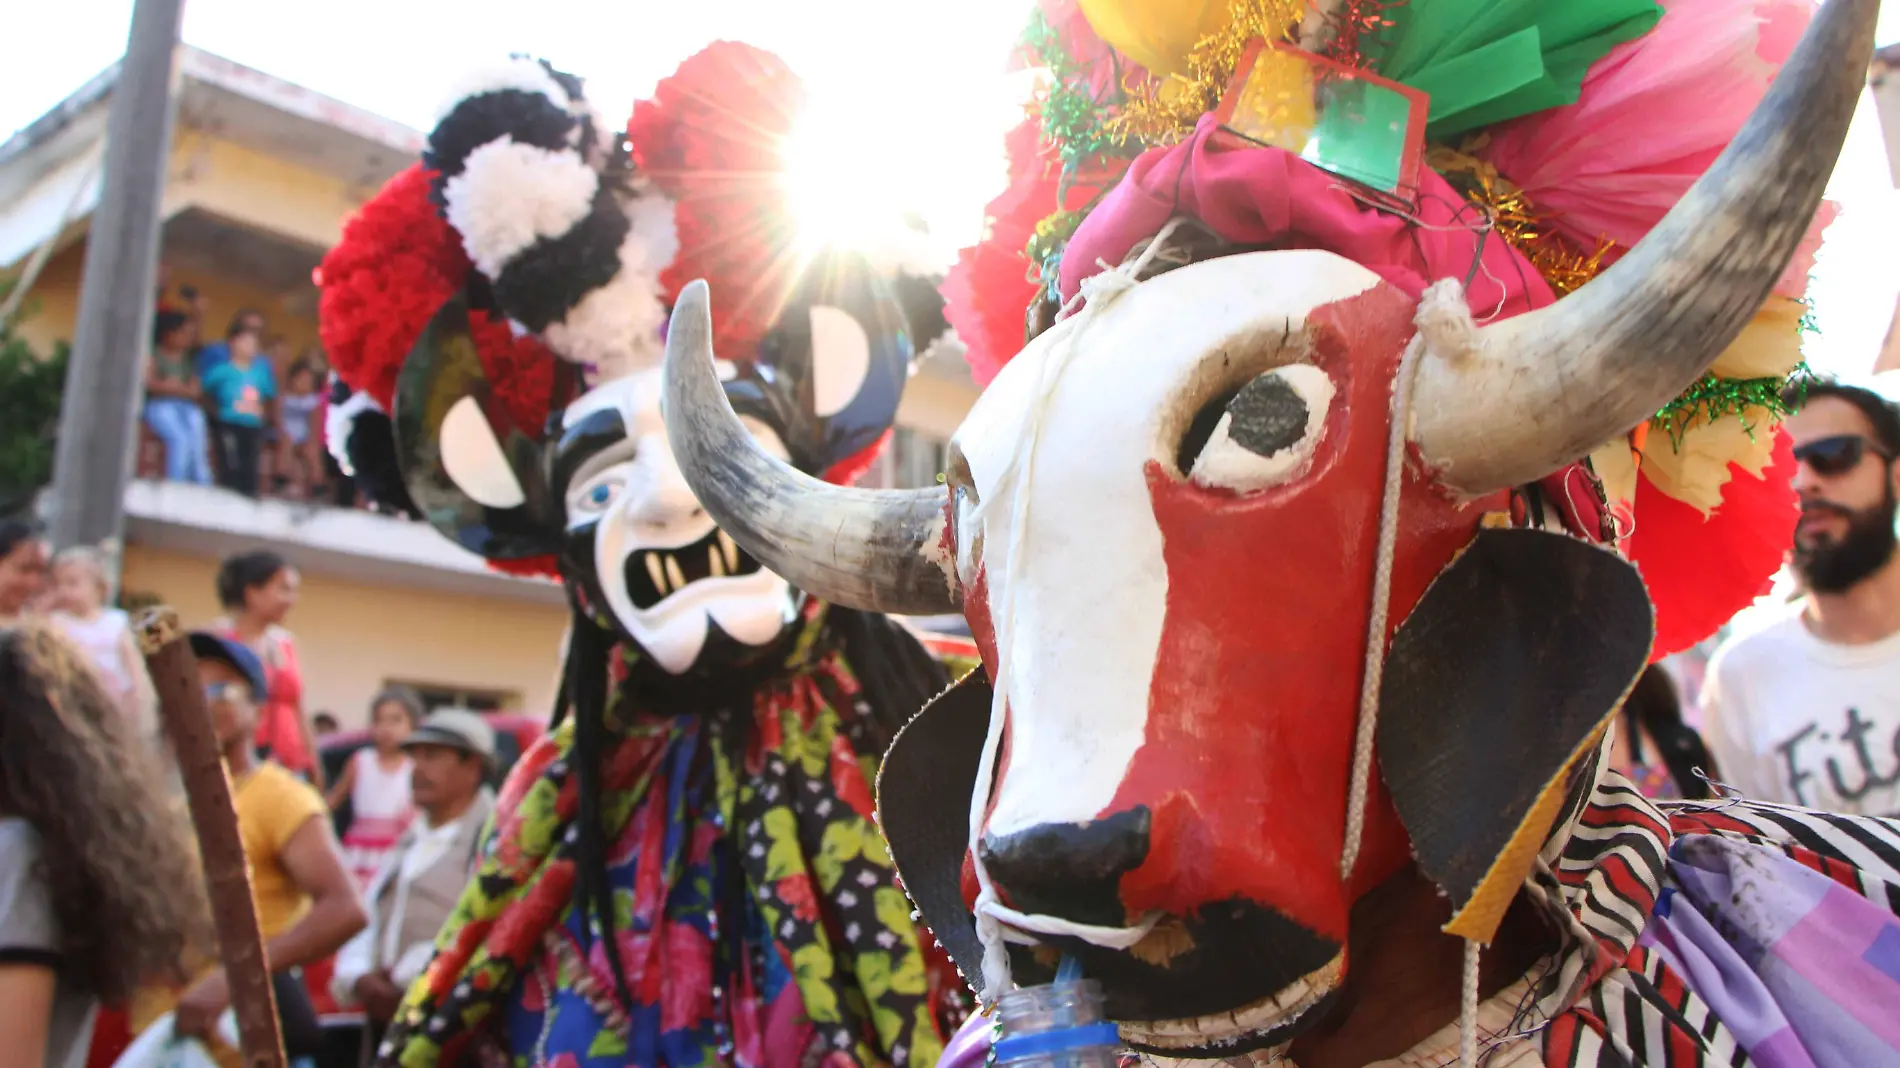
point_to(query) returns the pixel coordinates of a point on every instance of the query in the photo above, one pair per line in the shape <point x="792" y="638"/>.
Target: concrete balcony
<point x="209" y="522"/>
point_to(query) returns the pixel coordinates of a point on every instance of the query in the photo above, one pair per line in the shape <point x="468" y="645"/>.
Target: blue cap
<point x="208" y="646"/>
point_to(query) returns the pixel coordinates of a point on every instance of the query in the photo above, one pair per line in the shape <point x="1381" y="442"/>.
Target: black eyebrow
<point x="596" y="431"/>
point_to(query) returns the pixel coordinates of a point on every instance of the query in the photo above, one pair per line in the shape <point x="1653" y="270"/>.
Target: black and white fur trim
<point x="339" y="421"/>
<point x="549" y="212"/>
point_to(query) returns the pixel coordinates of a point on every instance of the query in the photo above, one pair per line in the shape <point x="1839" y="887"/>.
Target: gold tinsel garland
<point x="1163" y="111"/>
<point x="1513" y="218"/>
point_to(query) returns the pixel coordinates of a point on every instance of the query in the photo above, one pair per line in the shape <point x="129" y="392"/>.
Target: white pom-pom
<point x="510" y="195"/>
<point x="617" y="327"/>
<point x="652" y="221"/>
<point x="526" y="75"/>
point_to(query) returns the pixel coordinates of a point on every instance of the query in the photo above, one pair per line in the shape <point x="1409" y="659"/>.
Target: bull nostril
<point x="1070" y="870"/>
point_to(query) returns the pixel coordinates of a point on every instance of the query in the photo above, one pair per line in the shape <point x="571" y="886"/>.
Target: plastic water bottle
<point x="1056" y="1025"/>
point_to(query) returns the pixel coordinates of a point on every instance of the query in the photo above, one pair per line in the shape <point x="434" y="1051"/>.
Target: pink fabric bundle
<point x="1654" y="114"/>
<point x="1268" y="196"/>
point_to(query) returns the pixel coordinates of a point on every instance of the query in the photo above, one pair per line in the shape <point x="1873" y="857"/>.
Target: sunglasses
<point x="220" y="691"/>
<point x="1837" y="455"/>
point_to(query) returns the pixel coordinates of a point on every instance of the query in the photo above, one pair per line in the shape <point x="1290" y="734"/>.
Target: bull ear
<point x="923" y="789"/>
<point x="483" y="489"/>
<point x="1497" y="688"/>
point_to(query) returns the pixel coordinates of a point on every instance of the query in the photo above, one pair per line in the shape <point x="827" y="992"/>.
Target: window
<point x="436" y="696"/>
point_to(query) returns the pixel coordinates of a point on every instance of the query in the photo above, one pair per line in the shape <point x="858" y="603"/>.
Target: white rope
<point x="1468" y="1010"/>
<point x="1381" y="607"/>
<point x="1096" y="293"/>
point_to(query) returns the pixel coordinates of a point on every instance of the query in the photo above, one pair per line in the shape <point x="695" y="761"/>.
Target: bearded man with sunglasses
<point x="1806" y="711"/>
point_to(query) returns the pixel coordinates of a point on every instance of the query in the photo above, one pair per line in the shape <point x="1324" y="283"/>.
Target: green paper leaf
<point x="1483" y="62"/>
<point x="1483" y="74"/>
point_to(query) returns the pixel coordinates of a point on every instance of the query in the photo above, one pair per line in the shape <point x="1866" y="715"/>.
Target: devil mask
<point x="604" y="494"/>
<point x="1284" y="567"/>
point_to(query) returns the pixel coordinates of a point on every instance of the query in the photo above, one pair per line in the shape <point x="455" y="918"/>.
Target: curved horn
<point x="1510" y="403"/>
<point x="879" y="550"/>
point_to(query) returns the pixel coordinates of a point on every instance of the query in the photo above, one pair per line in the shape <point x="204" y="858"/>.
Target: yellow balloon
<point x="1157" y="34"/>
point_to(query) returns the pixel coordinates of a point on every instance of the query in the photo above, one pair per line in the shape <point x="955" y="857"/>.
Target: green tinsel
<point x="1072" y="119"/>
<point x="1044" y="250"/>
<point x="1713" y="398"/>
<point x="1808" y="324"/>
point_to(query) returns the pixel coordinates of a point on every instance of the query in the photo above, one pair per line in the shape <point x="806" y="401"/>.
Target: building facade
<point x="262" y="175"/>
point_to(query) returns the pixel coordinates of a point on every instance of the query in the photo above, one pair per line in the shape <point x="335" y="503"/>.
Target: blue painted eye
<point x="600" y="495"/>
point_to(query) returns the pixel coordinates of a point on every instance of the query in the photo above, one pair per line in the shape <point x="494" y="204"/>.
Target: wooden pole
<point x="181" y="703"/>
<point x="100" y="408"/>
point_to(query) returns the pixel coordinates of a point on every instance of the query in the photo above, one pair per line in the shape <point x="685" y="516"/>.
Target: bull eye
<point x="1261" y="435"/>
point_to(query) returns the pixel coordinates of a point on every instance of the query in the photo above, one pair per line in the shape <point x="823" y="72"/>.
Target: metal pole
<point x="98" y="420"/>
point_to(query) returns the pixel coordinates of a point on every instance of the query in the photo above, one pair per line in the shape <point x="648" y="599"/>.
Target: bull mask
<point x="1189" y="610"/>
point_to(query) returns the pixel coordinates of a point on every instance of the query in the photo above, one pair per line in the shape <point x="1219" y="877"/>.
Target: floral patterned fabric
<point x="757" y="916"/>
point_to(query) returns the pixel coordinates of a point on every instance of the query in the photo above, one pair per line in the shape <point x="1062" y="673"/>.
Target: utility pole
<point x="98" y="419"/>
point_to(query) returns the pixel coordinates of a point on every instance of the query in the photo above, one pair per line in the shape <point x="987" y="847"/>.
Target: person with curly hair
<point x="99" y="886"/>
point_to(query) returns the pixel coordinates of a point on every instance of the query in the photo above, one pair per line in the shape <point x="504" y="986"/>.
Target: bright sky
<point x="926" y="81"/>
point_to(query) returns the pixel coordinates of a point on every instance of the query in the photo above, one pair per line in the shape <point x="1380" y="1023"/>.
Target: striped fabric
<point x="1613" y="997"/>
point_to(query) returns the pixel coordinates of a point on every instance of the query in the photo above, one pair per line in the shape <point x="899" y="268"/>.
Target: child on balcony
<point x="240" y="389"/>
<point x="299" y="435"/>
<point x="172" y="396"/>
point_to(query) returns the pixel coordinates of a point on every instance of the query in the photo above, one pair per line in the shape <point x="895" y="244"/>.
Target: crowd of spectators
<point x="243" y="410"/>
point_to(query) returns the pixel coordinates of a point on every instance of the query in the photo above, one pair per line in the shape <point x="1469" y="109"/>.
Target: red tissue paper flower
<point x="1701" y="571"/>
<point x="713" y="139"/>
<point x="987" y="293"/>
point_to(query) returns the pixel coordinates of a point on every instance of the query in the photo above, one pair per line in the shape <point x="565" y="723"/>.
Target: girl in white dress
<point x="376" y="782"/>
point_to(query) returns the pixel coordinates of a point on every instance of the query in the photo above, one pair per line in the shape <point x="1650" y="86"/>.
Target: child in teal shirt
<point x="240" y="391"/>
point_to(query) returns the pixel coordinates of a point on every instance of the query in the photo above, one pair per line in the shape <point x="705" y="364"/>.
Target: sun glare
<point x="845" y="186"/>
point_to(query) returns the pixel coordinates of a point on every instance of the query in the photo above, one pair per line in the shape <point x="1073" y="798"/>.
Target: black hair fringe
<point x="584" y="680"/>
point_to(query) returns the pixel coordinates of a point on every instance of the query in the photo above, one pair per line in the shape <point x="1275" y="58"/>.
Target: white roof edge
<point x="293" y="99"/>
<point x="198" y="65"/>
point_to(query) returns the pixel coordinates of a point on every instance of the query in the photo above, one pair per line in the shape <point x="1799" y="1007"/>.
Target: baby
<point x="104" y="634"/>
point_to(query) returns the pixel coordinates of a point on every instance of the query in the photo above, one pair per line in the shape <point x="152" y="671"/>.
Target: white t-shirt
<point x="1793" y="719"/>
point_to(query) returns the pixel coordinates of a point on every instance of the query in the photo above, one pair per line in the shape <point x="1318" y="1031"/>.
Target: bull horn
<point x="1509" y="403"/>
<point x="878" y="550"/>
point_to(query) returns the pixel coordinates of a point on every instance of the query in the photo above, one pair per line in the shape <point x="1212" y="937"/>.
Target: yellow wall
<point x="353" y="638"/>
<point x="54" y="303"/>
<point x="250" y="187"/>
<point x="235" y="183"/>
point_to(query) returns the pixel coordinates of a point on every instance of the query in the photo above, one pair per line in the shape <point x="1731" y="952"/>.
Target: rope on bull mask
<point x="1097" y="292"/>
<point x="1436" y="298"/>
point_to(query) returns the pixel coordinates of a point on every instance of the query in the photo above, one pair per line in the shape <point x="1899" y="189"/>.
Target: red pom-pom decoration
<point x="713" y="139"/>
<point x="398" y="261"/>
<point x="1702" y="571"/>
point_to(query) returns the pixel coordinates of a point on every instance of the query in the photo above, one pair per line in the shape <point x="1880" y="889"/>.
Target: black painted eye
<point x="1260" y="435"/>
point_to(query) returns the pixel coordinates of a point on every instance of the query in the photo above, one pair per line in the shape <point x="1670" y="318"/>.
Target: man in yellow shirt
<point x="306" y="903"/>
